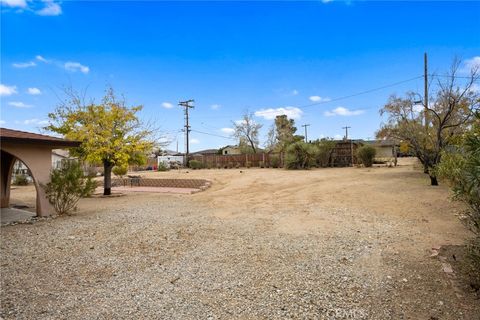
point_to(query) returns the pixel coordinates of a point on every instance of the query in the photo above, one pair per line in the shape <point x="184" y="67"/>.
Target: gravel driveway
<point x="157" y="256"/>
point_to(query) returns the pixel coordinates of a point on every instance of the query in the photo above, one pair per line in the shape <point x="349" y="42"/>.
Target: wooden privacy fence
<point x="241" y="160"/>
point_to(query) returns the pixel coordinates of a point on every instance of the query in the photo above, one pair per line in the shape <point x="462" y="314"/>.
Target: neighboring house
<point x="384" y="148"/>
<point x="168" y="160"/>
<point x="167" y="152"/>
<point x="207" y="152"/>
<point x="59" y="155"/>
<point x="230" y="150"/>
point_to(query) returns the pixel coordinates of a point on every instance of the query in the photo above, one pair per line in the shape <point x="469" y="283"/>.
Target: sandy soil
<point x="326" y="241"/>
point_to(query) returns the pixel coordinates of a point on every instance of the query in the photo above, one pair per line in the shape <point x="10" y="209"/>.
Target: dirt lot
<point x="343" y="243"/>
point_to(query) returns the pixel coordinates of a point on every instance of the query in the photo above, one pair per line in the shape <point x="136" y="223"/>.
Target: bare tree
<point x="248" y="130"/>
<point x="450" y="113"/>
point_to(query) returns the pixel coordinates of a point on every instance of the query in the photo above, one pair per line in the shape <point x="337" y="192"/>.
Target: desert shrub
<point x="120" y="171"/>
<point x="324" y="152"/>
<point x="67" y="185"/>
<point x="195" y="164"/>
<point x="20" y="180"/>
<point x="261" y="164"/>
<point x="275" y="161"/>
<point x="300" y="155"/>
<point x="162" y="166"/>
<point x="461" y="167"/>
<point x="230" y="165"/>
<point x="366" y="154"/>
<point x="237" y="165"/>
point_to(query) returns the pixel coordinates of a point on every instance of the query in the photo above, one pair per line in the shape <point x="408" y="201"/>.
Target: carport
<point x="35" y="151"/>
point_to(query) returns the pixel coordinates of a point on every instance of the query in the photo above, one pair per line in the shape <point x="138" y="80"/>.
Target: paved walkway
<point x="9" y="215"/>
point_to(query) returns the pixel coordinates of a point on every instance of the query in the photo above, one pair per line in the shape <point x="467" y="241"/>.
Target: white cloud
<point x="338" y="137"/>
<point x="471" y="64"/>
<point x="51" y="8"/>
<point x="14" y="3"/>
<point x="227" y="130"/>
<point x="76" y="66"/>
<point x="167" y="105"/>
<point x="475" y="88"/>
<point x="271" y="113"/>
<point x="342" y="111"/>
<point x="295" y="92"/>
<point x="215" y="106"/>
<point x="35" y="121"/>
<point x="23" y="65"/>
<point x="40" y="58"/>
<point x="418" y="108"/>
<point x="319" y="99"/>
<point x="19" y="104"/>
<point x="7" y="90"/>
<point x="34" y="91"/>
<point x="194" y="141"/>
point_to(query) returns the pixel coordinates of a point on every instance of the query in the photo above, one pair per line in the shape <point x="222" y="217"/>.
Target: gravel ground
<point x="158" y="256"/>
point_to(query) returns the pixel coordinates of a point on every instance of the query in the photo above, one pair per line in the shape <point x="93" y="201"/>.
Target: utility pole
<point x="351" y="142"/>
<point x="346" y="131"/>
<point x="187" y="105"/>
<point x="425" y="96"/>
<point x="305" y="126"/>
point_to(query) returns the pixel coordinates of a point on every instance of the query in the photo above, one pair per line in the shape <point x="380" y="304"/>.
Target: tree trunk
<point x="425" y="168"/>
<point x="433" y="181"/>
<point x="107" y="178"/>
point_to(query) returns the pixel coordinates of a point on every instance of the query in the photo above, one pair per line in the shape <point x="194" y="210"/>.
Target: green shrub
<point x="461" y="167"/>
<point x="366" y="154"/>
<point x="67" y="185"/>
<point x="195" y="164"/>
<point x="162" y="166"/>
<point x="274" y="161"/>
<point x="20" y="180"/>
<point x="325" y="150"/>
<point x="300" y="155"/>
<point x="120" y="171"/>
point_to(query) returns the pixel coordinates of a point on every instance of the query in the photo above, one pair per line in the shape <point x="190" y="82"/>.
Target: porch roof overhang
<point x="22" y="137"/>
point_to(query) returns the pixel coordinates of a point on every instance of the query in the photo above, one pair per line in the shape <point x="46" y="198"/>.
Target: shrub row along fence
<point x="165" y="183"/>
<point x="241" y="160"/>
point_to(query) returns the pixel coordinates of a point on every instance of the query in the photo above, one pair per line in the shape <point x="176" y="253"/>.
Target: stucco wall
<point x="38" y="159"/>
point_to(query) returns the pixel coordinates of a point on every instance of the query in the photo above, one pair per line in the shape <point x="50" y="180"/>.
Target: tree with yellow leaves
<point x="110" y="132"/>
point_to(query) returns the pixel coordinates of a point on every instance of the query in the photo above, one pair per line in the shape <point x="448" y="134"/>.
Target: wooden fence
<point x="241" y="160"/>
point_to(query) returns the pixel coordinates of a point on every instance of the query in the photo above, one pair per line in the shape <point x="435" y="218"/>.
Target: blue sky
<point x="266" y="57"/>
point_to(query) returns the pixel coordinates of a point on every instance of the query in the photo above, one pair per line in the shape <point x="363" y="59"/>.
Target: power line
<point x="341" y="97"/>
<point x="362" y="92"/>
<point x="449" y="76"/>
<point x="214" y="135"/>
